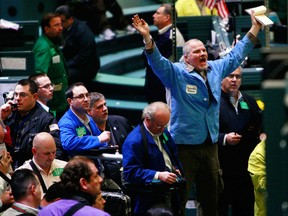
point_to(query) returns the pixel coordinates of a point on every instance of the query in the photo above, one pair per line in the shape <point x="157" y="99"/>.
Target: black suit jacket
<point x="120" y="127"/>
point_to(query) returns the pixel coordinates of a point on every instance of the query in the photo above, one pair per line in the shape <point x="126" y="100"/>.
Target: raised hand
<point x="141" y="26"/>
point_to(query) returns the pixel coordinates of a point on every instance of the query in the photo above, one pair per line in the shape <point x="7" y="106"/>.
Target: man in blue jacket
<point x="78" y="131"/>
<point x="149" y="155"/>
<point x="195" y="87"/>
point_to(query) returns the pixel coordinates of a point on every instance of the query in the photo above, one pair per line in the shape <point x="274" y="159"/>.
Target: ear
<point x="46" y="29"/>
<point x="33" y="150"/>
<point x="83" y="183"/>
<point x="69" y="100"/>
<point x="35" y="96"/>
<point x="33" y="189"/>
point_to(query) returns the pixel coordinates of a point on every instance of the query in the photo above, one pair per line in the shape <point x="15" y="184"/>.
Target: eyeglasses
<point x="47" y="86"/>
<point x="237" y="76"/>
<point x="82" y="96"/>
<point x="161" y="126"/>
<point x="21" y="94"/>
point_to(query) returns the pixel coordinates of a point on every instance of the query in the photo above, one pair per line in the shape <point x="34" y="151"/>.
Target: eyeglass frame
<point x="82" y="96"/>
<point x="46" y="86"/>
<point x="21" y="94"/>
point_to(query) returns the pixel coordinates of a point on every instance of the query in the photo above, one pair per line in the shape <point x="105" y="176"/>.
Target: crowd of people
<point x="192" y="142"/>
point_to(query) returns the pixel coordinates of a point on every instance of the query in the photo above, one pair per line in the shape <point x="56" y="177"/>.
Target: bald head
<point x="44" y="150"/>
<point x="43" y="139"/>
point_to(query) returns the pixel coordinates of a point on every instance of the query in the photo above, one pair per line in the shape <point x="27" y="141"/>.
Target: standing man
<point x="149" y="154"/>
<point x="44" y="162"/>
<point x="26" y="190"/>
<point x="78" y="131"/>
<point x="45" y="89"/>
<point x="239" y="130"/>
<point x="26" y="120"/>
<point x="195" y="86"/>
<point x="81" y="182"/>
<point x="118" y="126"/>
<point x="50" y="60"/>
<point x="162" y="18"/>
<point x="80" y="50"/>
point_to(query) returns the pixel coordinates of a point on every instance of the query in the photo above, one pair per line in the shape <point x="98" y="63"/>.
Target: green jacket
<point x="50" y="60"/>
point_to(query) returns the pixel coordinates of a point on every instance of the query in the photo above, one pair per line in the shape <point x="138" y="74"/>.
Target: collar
<point x="45" y="107"/>
<point x="85" y="122"/>
<point x="165" y="29"/>
<point x="24" y="208"/>
<point x="40" y="169"/>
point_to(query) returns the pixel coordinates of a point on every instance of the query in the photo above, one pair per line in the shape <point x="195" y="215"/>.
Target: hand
<point x="142" y="27"/>
<point x="6" y="110"/>
<point x="167" y="177"/>
<point x="233" y="138"/>
<point x="256" y="26"/>
<point x="5" y="162"/>
<point x="104" y="136"/>
<point x="7" y="197"/>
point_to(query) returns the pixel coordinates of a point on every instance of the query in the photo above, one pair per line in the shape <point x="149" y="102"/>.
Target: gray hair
<point x="94" y="97"/>
<point x="154" y="107"/>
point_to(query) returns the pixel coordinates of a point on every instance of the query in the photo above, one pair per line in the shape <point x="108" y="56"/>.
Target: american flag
<point x="220" y="5"/>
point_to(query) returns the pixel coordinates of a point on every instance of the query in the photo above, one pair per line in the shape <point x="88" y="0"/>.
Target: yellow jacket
<point x="190" y="8"/>
<point x="257" y="170"/>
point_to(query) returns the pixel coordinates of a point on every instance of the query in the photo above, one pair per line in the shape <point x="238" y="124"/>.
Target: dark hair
<point x="64" y="10"/>
<point x="77" y="168"/>
<point x="32" y="85"/>
<point x="69" y="92"/>
<point x="94" y="97"/>
<point x="159" y="210"/>
<point x="54" y="191"/>
<point x="21" y="181"/>
<point x="45" y="21"/>
<point x="35" y="76"/>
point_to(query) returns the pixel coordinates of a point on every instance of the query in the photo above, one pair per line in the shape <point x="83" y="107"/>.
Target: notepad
<point x="260" y="15"/>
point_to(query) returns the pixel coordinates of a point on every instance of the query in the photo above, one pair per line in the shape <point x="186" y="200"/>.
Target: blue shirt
<point x="194" y="116"/>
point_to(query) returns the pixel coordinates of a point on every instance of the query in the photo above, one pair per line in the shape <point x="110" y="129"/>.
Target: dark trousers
<point x="237" y="196"/>
<point x="202" y="172"/>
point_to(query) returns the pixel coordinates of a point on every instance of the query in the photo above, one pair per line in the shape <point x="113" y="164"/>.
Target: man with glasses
<point x="78" y="131"/>
<point x="45" y="89"/>
<point x="49" y="60"/>
<point x="149" y="154"/>
<point x="26" y="120"/>
<point x="239" y="130"/>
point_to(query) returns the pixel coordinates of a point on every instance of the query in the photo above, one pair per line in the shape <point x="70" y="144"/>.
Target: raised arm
<point x="143" y="28"/>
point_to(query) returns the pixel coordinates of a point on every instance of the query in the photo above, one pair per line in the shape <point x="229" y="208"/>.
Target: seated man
<point x="43" y="163"/>
<point x="118" y="126"/>
<point x="78" y="131"/>
<point x="149" y="154"/>
<point x="26" y="120"/>
<point x="27" y="193"/>
<point x="81" y="180"/>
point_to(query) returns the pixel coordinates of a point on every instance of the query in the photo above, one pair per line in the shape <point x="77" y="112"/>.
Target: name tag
<point x="191" y="89"/>
<point x="244" y="105"/>
<point x="81" y="131"/>
<point x="56" y="59"/>
<point x="58" y="87"/>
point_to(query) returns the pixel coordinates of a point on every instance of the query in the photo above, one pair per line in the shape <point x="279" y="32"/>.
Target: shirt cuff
<point x="156" y="176"/>
<point x="224" y="140"/>
<point x="254" y="39"/>
<point x="149" y="51"/>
